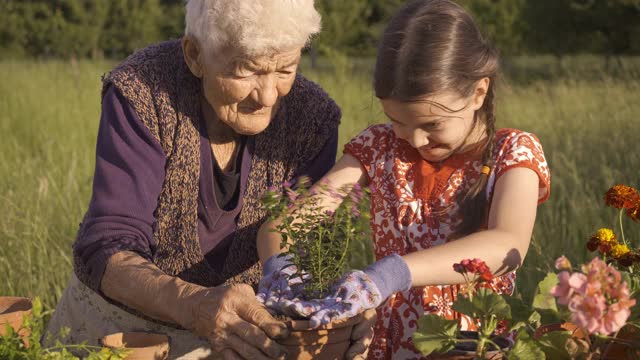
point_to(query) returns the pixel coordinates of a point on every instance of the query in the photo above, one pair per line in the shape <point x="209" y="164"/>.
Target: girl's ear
<point x="192" y="55"/>
<point x="480" y="92"/>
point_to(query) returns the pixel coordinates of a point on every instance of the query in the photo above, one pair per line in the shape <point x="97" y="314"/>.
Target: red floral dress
<point x="413" y="208"/>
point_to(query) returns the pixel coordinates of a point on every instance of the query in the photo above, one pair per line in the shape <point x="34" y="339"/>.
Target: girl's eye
<point x="431" y="126"/>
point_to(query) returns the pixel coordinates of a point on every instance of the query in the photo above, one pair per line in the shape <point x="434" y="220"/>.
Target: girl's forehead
<point x="442" y="104"/>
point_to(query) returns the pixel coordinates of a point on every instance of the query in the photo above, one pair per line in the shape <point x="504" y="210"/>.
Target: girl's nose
<point x="266" y="92"/>
<point x="419" y="138"/>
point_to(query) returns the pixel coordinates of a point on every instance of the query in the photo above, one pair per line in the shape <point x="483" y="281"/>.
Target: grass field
<point x="585" y="116"/>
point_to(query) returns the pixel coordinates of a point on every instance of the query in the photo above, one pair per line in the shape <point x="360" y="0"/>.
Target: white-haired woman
<point x="192" y="133"/>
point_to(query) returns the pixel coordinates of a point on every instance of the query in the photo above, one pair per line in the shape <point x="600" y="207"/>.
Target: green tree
<point x="500" y="21"/>
<point x="131" y="24"/>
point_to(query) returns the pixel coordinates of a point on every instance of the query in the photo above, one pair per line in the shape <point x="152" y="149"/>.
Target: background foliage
<point x="95" y="29"/>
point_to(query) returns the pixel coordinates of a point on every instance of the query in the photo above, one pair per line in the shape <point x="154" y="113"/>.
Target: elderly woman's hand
<point x="236" y="324"/>
<point x="230" y="317"/>
<point x="362" y="335"/>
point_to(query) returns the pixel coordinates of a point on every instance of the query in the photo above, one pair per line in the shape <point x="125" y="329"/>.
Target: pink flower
<point x="587" y="311"/>
<point x="597" y="298"/>
<point x="562" y="263"/>
<point x="562" y="290"/>
<point x="616" y="316"/>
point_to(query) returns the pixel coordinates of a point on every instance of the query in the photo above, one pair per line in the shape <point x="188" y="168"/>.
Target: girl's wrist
<point x="390" y="274"/>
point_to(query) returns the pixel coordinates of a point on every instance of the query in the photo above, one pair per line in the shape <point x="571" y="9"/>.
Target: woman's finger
<point x="254" y="338"/>
<point x="248" y="351"/>
<point x="229" y="354"/>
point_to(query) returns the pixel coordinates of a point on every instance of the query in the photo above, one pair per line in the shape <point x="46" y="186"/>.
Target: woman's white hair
<point x="255" y="27"/>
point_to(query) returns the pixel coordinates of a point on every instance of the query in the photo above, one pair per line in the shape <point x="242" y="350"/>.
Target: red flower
<point x="622" y="197"/>
<point x="593" y="244"/>
<point x="476" y="267"/>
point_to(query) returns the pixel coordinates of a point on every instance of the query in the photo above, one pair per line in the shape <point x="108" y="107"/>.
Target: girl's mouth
<point x="431" y="147"/>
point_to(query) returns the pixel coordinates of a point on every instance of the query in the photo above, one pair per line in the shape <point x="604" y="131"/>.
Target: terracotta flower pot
<point x="561" y="326"/>
<point x="621" y="348"/>
<point x="329" y="341"/>
<point x="467" y="351"/>
<point x="142" y="345"/>
<point x="12" y="312"/>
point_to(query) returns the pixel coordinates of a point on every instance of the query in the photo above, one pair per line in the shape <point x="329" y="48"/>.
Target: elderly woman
<point x="192" y="133"/>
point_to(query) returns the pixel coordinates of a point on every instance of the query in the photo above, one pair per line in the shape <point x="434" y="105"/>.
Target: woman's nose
<point x="266" y="91"/>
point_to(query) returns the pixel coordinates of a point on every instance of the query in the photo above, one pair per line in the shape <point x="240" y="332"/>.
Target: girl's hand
<point x="352" y="295"/>
<point x="358" y="290"/>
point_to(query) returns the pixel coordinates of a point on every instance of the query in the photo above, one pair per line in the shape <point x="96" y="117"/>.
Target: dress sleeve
<point x="369" y="146"/>
<point x="522" y="149"/>
<point x="128" y="178"/>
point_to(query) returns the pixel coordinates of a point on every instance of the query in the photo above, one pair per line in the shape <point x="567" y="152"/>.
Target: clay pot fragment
<point x="329" y="341"/>
<point x="13" y="310"/>
<point x="142" y="345"/>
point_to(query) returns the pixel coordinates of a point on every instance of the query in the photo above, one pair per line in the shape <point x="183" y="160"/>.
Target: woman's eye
<point x="285" y="73"/>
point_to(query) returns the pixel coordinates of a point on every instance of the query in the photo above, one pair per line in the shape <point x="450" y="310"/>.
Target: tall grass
<point x="49" y="115"/>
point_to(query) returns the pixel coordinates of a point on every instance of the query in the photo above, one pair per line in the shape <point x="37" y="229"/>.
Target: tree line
<point x="115" y="28"/>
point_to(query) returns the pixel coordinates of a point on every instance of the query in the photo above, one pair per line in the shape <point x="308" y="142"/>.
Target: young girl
<point x="446" y="185"/>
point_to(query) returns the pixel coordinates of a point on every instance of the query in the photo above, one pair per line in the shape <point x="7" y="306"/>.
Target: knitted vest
<point x="166" y="97"/>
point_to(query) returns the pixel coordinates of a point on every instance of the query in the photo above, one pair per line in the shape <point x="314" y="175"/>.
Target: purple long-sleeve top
<point x="128" y="178"/>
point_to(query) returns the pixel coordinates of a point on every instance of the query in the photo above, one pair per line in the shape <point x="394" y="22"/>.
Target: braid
<point x="474" y="203"/>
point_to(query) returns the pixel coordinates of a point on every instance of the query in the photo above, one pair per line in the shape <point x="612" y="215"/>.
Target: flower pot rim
<point x="302" y="325"/>
<point x="563" y="325"/>
<point x="156" y="340"/>
<point x="14" y="304"/>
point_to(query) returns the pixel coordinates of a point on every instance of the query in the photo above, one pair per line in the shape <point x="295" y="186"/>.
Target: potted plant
<point x="317" y="244"/>
<point x="442" y="339"/>
<point x="599" y="297"/>
<point x="13" y="311"/>
<point x="588" y="312"/>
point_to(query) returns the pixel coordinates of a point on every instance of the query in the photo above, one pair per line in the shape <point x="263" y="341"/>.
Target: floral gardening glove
<point x="276" y="282"/>
<point x="282" y="294"/>
<point x="358" y="290"/>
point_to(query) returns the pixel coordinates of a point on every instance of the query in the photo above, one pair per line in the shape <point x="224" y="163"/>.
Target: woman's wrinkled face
<point x="437" y="126"/>
<point x="245" y="92"/>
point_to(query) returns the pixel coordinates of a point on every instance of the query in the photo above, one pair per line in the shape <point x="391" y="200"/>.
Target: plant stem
<point x="624" y="240"/>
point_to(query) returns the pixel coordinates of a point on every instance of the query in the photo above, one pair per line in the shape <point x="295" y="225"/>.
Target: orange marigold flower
<point x="628" y="259"/>
<point x="619" y="250"/>
<point x="593" y="243"/>
<point x="622" y="197"/>
<point x="605" y="235"/>
<point x="634" y="212"/>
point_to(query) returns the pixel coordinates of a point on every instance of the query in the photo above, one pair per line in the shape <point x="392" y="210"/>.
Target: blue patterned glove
<point x="282" y="294"/>
<point x="276" y="282"/>
<point x="358" y="290"/>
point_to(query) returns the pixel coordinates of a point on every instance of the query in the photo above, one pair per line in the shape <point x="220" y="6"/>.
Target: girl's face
<point x="438" y="125"/>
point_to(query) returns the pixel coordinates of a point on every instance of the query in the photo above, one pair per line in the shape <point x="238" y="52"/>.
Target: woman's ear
<point x="192" y="55"/>
<point x="480" y="92"/>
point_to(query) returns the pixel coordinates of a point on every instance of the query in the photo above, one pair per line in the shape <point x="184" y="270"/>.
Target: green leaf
<point x="435" y="334"/>
<point x="543" y="300"/>
<point x="525" y="349"/>
<point x="485" y="302"/>
<point x="520" y="312"/>
<point x="554" y="344"/>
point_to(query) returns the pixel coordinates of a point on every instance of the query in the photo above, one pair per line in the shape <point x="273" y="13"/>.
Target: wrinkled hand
<point x="236" y="324"/>
<point x="361" y="336"/>
<point x="351" y="295"/>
